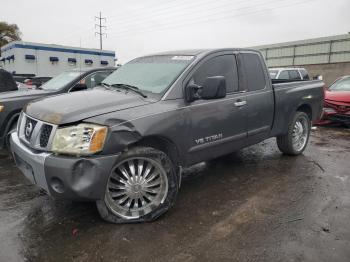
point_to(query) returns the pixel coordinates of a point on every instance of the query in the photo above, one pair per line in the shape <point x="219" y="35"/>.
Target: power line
<point x="190" y="22"/>
<point x="100" y="26"/>
<point x="191" y="7"/>
<point x="225" y="8"/>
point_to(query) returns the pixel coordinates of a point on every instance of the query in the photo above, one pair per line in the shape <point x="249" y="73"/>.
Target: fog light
<point x="57" y="185"/>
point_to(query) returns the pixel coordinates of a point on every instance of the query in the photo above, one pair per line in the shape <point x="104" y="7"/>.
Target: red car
<point x="337" y="102"/>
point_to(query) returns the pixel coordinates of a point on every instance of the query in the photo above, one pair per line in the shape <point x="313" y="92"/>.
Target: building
<point x="326" y="56"/>
<point x="25" y="58"/>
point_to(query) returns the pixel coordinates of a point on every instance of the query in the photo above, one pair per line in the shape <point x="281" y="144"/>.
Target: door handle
<point x="240" y="103"/>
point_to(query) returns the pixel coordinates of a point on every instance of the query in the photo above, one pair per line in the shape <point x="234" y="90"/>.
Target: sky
<point x="139" y="27"/>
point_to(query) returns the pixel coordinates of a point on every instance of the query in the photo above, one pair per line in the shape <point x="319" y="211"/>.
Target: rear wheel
<point x="142" y="186"/>
<point x="297" y="137"/>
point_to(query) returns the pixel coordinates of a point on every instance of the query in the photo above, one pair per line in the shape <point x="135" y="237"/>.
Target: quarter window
<point x="224" y="65"/>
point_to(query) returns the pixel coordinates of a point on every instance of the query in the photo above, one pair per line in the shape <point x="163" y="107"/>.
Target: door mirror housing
<point x="214" y="87"/>
<point x="79" y="87"/>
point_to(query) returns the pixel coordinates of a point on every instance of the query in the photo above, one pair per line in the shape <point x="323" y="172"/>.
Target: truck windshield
<point x="341" y="85"/>
<point x="151" y="74"/>
<point x="61" y="80"/>
<point x="273" y="74"/>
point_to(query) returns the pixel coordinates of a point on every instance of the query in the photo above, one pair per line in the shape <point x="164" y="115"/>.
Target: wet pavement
<point x="255" y="205"/>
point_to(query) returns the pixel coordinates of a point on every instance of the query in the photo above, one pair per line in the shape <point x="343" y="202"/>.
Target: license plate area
<point x="26" y="169"/>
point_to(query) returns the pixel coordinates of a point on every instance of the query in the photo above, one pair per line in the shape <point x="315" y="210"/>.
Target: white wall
<point x="42" y="66"/>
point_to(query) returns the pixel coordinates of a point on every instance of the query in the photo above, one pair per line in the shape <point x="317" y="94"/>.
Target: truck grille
<point x="35" y="133"/>
<point x="45" y="135"/>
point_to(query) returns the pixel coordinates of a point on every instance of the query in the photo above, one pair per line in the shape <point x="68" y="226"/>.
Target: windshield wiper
<point x="128" y="87"/>
<point x="108" y="86"/>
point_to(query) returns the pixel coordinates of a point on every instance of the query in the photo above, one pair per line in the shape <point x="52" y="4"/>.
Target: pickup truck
<point x="124" y="144"/>
<point x="11" y="103"/>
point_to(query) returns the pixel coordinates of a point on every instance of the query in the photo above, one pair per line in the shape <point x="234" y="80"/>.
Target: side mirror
<point x="79" y="87"/>
<point x="214" y="87"/>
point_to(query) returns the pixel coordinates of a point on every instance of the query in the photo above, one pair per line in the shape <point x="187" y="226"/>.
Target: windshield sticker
<point x="182" y="57"/>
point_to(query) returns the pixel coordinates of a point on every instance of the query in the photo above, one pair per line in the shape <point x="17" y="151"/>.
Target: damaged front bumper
<point x="76" y="178"/>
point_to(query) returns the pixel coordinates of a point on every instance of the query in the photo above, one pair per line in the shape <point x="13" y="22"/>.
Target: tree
<point x="9" y="33"/>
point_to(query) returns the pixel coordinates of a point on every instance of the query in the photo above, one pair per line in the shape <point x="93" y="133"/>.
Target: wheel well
<point x="12" y="120"/>
<point x="162" y="144"/>
<point x="306" y="109"/>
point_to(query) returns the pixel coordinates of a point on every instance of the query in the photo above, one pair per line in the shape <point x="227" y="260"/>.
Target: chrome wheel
<point x="300" y="133"/>
<point x="136" y="187"/>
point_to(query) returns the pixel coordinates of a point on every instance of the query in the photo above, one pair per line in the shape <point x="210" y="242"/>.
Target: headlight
<point x="2" y="108"/>
<point x="83" y="139"/>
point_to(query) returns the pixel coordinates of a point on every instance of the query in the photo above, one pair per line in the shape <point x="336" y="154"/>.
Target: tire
<point x="126" y="198"/>
<point x="285" y="142"/>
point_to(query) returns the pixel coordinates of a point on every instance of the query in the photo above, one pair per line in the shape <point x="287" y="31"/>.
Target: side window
<point x="224" y="65"/>
<point x="96" y="78"/>
<point x="294" y="75"/>
<point x="304" y="74"/>
<point x="255" y="76"/>
<point x="284" y="75"/>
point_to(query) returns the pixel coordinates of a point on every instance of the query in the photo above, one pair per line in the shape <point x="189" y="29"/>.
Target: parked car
<point x="289" y="74"/>
<point x="11" y="103"/>
<point x="125" y="143"/>
<point x="36" y="81"/>
<point x="22" y="86"/>
<point x="337" y="102"/>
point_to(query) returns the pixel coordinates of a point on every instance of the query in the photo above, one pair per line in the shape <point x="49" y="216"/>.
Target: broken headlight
<point x="82" y="139"/>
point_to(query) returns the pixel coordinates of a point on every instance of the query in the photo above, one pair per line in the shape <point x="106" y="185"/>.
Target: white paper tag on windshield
<point x="182" y="57"/>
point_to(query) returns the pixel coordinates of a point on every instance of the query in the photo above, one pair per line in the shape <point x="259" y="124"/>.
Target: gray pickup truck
<point x="124" y="143"/>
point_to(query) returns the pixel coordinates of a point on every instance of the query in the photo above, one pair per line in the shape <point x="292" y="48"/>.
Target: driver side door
<point x="218" y="126"/>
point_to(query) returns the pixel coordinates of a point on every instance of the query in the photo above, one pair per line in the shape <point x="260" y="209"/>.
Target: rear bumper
<point x="64" y="177"/>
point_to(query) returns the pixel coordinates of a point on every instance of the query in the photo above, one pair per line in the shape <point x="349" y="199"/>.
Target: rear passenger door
<point x="260" y="98"/>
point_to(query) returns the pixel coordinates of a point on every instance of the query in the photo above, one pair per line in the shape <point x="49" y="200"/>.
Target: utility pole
<point x="100" y="27"/>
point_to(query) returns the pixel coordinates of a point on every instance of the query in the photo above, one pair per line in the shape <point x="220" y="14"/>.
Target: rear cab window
<point x="255" y="76"/>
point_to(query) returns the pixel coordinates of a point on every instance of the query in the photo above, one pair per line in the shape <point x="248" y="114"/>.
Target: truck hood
<point x="338" y="96"/>
<point x="27" y="93"/>
<point x="74" y="107"/>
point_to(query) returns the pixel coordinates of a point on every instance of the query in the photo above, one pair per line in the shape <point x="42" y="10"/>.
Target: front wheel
<point x="142" y="186"/>
<point x="295" y="140"/>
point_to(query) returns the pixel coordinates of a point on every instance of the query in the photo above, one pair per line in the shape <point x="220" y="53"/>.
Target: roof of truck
<point x="195" y="52"/>
<point x="287" y="68"/>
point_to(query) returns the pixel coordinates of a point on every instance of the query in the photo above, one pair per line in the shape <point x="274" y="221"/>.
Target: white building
<point x="20" y="57"/>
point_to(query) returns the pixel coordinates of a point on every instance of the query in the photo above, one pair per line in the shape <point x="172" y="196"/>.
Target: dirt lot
<point x="256" y="205"/>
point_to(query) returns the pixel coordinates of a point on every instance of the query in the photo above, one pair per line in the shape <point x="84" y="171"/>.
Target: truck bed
<point x="293" y="94"/>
